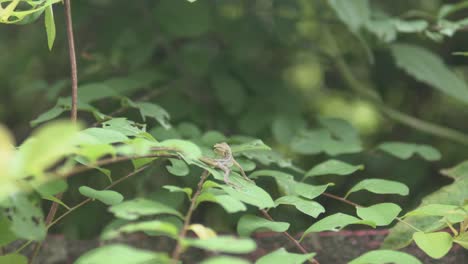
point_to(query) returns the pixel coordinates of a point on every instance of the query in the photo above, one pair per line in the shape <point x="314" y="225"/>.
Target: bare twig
<point x="188" y="217"/>
<point x="291" y="238"/>
<point x="74" y="104"/>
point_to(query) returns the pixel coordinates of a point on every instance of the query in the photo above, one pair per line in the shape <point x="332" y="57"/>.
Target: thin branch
<point x="72" y="55"/>
<point x="78" y="206"/>
<point x="188" y="217"/>
<point x="291" y="238"/>
<point x="74" y="109"/>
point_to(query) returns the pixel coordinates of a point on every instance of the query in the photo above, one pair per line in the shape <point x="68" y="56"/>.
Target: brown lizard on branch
<point x="225" y="162"/>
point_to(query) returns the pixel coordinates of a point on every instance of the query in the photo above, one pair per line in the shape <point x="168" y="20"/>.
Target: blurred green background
<point x="239" y="67"/>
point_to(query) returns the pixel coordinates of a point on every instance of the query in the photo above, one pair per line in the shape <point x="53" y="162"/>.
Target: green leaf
<point x="229" y="203"/>
<point x="154" y="111"/>
<point x="286" y="126"/>
<point x="406" y="150"/>
<point x="335" y="222"/>
<point x="452" y="194"/>
<point x="230" y="93"/>
<point x="212" y="137"/>
<point x="385" y="256"/>
<point x="47" y="115"/>
<point x="381" y="214"/>
<point x="224" y="259"/>
<point x="249" y="146"/>
<point x="135" y="208"/>
<point x="46" y="146"/>
<point x="52" y="187"/>
<point x="106" y="196"/>
<point x="461" y="239"/>
<point x="50" y="26"/>
<point x="185" y="190"/>
<point x="56" y="200"/>
<point x="227" y="244"/>
<point x="6" y="235"/>
<point x="250" y="223"/>
<point x="453" y="213"/>
<point x="337" y="137"/>
<point x="27" y="220"/>
<point x="281" y="256"/>
<point x="13" y="259"/>
<point x="124" y="126"/>
<point x="311" y="208"/>
<point x="380" y="186"/>
<point x="187" y="149"/>
<point x="102" y="135"/>
<point x="334" y="167"/>
<point x="355" y="14"/>
<point x="436" y="244"/>
<point x="194" y="19"/>
<point x="248" y="192"/>
<point x="121" y="254"/>
<point x="289" y="186"/>
<point x="178" y="168"/>
<point x="427" y="67"/>
<point x="147" y="226"/>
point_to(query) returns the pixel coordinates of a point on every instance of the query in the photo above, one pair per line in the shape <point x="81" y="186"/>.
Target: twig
<point x="188" y="217"/>
<point x="72" y="55"/>
<point x="80" y="205"/>
<point x="74" y="104"/>
<point x="291" y="238"/>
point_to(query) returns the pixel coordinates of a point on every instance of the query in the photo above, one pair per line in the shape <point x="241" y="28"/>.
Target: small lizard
<point x="225" y="162"/>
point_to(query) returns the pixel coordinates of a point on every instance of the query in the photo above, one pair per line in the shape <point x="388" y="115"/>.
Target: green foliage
<point x="282" y="256"/>
<point x="159" y="92"/>
<point x="250" y="223"/>
<point x="121" y="254"/>
<point x="385" y="256"/>
<point x="105" y="196"/>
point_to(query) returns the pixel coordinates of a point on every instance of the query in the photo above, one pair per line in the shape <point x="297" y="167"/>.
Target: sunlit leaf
<point x="381" y="214"/>
<point x="335" y="222"/>
<point x="250" y="223"/>
<point x="311" y="208"/>
<point x="227" y="244"/>
<point x="106" y="196"/>
<point x="50" y="26"/>
<point x="178" y="167"/>
<point x="380" y="186"/>
<point x="224" y="259"/>
<point x="436" y="244"/>
<point x="334" y="167"/>
<point x="135" y="208"/>
<point x="229" y="203"/>
<point x="281" y="256"/>
<point x="185" y="190"/>
<point x="121" y="254"/>
<point x="13" y="258"/>
<point x="27" y="220"/>
<point x="384" y="257"/>
<point x="165" y="228"/>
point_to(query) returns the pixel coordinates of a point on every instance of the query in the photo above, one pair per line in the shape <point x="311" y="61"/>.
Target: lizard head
<point x="221" y="148"/>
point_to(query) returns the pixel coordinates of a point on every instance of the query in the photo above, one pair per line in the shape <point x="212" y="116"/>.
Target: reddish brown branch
<point x="188" y="217"/>
<point x="291" y="238"/>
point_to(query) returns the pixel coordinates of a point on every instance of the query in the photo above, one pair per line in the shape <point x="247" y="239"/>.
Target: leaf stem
<point x="188" y="217"/>
<point x="291" y="238"/>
